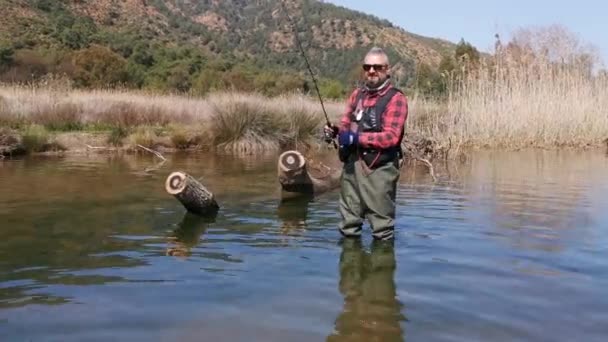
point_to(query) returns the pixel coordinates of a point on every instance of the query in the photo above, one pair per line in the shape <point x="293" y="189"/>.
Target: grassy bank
<point x="499" y="103"/>
<point x="226" y="122"/>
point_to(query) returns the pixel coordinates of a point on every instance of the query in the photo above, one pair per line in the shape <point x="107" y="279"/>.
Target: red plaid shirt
<point x="394" y="119"/>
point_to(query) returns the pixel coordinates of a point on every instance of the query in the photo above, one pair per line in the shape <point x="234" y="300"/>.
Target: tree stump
<point x="297" y="180"/>
<point x="193" y="195"/>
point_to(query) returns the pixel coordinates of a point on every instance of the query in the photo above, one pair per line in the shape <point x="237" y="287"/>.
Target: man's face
<point x="375" y="68"/>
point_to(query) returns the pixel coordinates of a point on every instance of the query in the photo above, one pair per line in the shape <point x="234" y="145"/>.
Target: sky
<point x="477" y="21"/>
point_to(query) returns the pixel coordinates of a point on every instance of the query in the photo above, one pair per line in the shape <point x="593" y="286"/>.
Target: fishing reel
<point x="330" y="132"/>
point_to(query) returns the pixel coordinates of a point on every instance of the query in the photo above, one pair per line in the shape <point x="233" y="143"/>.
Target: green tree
<point x="6" y="55"/>
<point x="429" y="81"/>
<point x="447" y="65"/>
<point x="465" y="52"/>
<point x="206" y="81"/>
<point x="142" y="55"/>
<point x="98" y="66"/>
<point x="179" y="78"/>
<point x="44" y="5"/>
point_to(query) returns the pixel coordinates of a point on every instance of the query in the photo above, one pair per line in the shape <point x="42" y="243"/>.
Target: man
<point x="369" y="136"/>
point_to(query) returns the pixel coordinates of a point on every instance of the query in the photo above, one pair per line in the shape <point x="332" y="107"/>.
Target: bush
<point x="331" y="89"/>
<point x="98" y="66"/>
<point x="6" y="56"/>
<point x="245" y="126"/>
<point x="35" y="138"/>
<point x="117" y="135"/>
<point x="144" y="136"/>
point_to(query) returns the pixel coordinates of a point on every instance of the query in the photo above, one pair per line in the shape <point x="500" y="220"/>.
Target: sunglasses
<point x="377" y="67"/>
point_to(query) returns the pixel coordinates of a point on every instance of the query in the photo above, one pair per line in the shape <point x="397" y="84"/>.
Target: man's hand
<point x="348" y="138"/>
<point x="330" y="133"/>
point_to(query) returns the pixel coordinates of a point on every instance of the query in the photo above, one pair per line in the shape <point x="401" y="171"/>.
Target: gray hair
<point x="377" y="51"/>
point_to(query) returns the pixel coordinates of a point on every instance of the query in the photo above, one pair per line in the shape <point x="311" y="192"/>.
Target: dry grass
<point x="535" y="92"/>
<point x="250" y="123"/>
<point x="537" y="105"/>
<point x="33" y="104"/>
<point x="229" y="122"/>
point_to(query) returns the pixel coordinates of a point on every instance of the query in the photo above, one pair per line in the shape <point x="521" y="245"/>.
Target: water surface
<point x="509" y="246"/>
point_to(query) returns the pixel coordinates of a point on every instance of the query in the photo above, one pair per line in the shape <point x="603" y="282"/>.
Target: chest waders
<point x="369" y="180"/>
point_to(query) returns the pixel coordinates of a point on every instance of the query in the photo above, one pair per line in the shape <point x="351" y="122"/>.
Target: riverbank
<point x="37" y="120"/>
<point x="58" y="120"/>
<point x="490" y="110"/>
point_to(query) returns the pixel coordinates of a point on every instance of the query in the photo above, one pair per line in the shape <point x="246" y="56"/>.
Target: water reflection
<point x="17" y="296"/>
<point x="188" y="234"/>
<point x="293" y="213"/>
<point x="538" y="203"/>
<point x="371" y="310"/>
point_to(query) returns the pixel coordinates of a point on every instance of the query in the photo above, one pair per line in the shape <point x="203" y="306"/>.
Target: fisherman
<point x="369" y="139"/>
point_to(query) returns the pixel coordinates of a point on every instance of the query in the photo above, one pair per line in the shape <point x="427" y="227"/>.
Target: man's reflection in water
<point x="371" y="310"/>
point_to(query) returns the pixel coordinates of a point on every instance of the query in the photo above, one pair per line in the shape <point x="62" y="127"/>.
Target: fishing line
<point x="312" y="74"/>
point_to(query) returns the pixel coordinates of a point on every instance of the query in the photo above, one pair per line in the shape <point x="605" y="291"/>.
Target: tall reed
<point x="530" y="106"/>
<point x="526" y="95"/>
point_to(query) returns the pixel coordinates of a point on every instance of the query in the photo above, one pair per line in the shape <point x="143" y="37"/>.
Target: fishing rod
<point x="312" y="74"/>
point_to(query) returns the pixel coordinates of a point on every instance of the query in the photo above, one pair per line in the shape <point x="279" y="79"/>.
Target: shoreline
<point x="80" y="142"/>
<point x="39" y="120"/>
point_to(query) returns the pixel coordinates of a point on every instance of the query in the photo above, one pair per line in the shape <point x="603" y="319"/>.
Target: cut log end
<point x="291" y="161"/>
<point x="191" y="194"/>
<point x="176" y="182"/>
<point x="296" y="180"/>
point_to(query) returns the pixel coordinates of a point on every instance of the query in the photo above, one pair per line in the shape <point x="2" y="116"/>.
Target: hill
<point x="200" y="44"/>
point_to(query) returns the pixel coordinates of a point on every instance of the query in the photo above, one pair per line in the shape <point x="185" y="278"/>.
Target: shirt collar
<point x="381" y="90"/>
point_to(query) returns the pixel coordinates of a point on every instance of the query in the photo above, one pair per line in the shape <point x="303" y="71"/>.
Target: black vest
<point x="372" y="120"/>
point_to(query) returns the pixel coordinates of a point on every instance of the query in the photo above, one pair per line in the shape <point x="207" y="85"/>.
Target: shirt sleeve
<point x="350" y="108"/>
<point x="394" y="122"/>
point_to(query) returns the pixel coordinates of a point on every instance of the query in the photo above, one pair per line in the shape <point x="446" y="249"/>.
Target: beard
<point x="375" y="82"/>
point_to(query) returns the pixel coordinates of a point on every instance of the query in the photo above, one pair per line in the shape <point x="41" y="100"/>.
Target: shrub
<point x="98" y="66"/>
<point x="35" y="138"/>
<point x="245" y="125"/>
<point x="117" y="135"/>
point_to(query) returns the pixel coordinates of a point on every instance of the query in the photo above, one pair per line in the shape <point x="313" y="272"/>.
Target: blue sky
<point x="477" y="21"/>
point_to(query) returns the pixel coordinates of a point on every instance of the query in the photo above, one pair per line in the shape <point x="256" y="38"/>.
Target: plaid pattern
<point x="394" y="119"/>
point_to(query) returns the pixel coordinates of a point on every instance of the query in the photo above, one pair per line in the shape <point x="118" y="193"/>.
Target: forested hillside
<point x="200" y="45"/>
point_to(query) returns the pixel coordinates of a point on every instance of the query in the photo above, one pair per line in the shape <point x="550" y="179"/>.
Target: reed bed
<point x="536" y="105"/>
<point x="501" y="102"/>
<point x="227" y="122"/>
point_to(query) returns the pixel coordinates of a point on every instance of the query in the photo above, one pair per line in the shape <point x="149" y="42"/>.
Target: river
<point x="506" y="246"/>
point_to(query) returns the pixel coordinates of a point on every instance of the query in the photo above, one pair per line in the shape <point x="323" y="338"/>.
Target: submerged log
<point x="298" y="180"/>
<point x="193" y="195"/>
